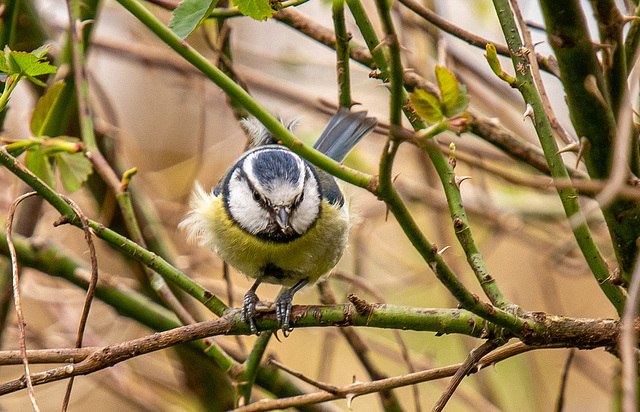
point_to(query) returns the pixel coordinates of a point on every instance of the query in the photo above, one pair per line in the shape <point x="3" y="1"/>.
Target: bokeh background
<point x="176" y="127"/>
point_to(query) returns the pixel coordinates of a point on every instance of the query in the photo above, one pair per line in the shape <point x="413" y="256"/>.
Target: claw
<point x="283" y="311"/>
<point x="249" y="310"/>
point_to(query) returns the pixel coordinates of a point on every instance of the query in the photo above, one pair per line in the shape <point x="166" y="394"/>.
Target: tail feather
<point x="343" y="132"/>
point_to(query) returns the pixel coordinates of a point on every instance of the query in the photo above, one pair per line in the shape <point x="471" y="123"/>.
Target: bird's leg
<point x="249" y="307"/>
<point x="283" y="306"/>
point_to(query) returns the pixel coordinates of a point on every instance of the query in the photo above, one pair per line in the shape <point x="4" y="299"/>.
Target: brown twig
<point x="362" y="388"/>
<point x="320" y="385"/>
<point x="108" y="356"/>
<point x="548" y="64"/>
<point x="628" y="344"/>
<point x="465" y="369"/>
<point x="61" y="355"/>
<point x="91" y="289"/>
<point x="563" y="381"/>
<point x="16" y="298"/>
<point x="360" y="349"/>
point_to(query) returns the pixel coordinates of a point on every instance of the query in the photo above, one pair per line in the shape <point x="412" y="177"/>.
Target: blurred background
<point x="163" y="117"/>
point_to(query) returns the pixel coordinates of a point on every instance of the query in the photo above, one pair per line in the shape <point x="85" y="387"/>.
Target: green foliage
<point x="44" y="153"/>
<point x="22" y="64"/>
<point x="492" y="58"/>
<point x="44" y="109"/>
<point x="453" y="98"/>
<point x="256" y="9"/>
<point x="189" y="15"/>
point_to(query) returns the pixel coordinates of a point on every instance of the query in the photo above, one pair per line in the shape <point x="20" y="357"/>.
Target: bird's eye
<point x="256" y="195"/>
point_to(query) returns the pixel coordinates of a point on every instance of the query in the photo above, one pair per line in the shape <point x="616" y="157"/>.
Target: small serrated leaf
<point x="41" y="51"/>
<point x="449" y="89"/>
<point x="427" y="105"/>
<point x="189" y="15"/>
<point x="462" y="103"/>
<point x="41" y="166"/>
<point x="74" y="169"/>
<point x="28" y="65"/>
<point x="44" y="109"/>
<point x="256" y="9"/>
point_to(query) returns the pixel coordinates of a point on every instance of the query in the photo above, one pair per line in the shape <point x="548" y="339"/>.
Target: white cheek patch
<point x="243" y="208"/>
<point x="308" y="210"/>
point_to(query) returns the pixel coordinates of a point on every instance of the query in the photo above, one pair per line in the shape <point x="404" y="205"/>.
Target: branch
<point x="568" y="197"/>
<point x="389" y="383"/>
<point x="465" y="369"/>
<point x="547" y="64"/>
<point x="120" y="242"/>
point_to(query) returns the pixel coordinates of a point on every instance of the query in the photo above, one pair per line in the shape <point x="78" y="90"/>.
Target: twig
<point x="61" y="355"/>
<point x="473" y="39"/>
<point x="320" y="385"/>
<point x="628" y="344"/>
<point x="388" y="398"/>
<point x="563" y="381"/>
<point x="465" y="369"/>
<point x="362" y="388"/>
<point x="90" y="290"/>
<point x="248" y="375"/>
<point x="535" y="73"/>
<point x="16" y="299"/>
<point x="342" y="53"/>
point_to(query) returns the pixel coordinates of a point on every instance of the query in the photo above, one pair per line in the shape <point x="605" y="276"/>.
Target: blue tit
<point x="275" y="217"/>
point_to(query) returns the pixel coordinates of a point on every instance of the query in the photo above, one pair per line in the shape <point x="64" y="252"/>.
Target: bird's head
<point x="274" y="194"/>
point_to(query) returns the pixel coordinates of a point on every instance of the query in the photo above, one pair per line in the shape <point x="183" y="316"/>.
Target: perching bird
<point x="275" y="217"/>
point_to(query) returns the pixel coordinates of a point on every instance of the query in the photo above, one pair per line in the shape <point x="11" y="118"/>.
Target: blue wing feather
<point x="343" y="132"/>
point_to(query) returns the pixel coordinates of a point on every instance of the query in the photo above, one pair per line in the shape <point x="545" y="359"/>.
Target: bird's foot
<point x="249" y="310"/>
<point x="283" y="310"/>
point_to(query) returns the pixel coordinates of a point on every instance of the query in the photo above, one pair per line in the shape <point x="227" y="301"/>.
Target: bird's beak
<point x="282" y="217"/>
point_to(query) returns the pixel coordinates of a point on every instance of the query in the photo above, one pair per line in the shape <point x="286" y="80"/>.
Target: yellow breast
<point x="309" y="256"/>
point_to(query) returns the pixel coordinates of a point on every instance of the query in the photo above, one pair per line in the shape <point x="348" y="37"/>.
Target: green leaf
<point x="28" y="64"/>
<point x="189" y="15"/>
<point x="41" y="166"/>
<point x="74" y="169"/>
<point x="44" y="109"/>
<point x="256" y="9"/>
<point x="427" y="105"/>
<point x="41" y="51"/>
<point x="4" y="67"/>
<point x="462" y="103"/>
<point x="449" y="89"/>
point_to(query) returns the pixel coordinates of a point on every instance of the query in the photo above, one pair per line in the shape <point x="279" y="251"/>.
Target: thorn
<point x="529" y="113"/>
<point x="583" y="144"/>
<point x="571" y="147"/>
<point x="350" y="397"/>
<point x="459" y="179"/>
<point x="444" y="249"/>
<point x="591" y="86"/>
<point x="393" y="179"/>
<point x="386" y="214"/>
<point x="538" y="42"/>
<point x="84" y="24"/>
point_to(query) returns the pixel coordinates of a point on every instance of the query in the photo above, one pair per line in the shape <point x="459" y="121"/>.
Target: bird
<point x="275" y="217"/>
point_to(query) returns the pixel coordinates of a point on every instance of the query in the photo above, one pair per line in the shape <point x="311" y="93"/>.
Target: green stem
<point x="342" y="53"/>
<point x="247" y="377"/>
<point x="124" y="245"/>
<point x="9" y="85"/>
<point x="236" y="92"/>
<point x="79" y="72"/>
<point x="568" y="197"/>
